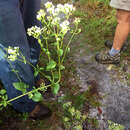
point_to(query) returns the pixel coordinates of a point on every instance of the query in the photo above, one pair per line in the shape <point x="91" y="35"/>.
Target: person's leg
<point x="29" y="12"/>
<point x="12" y="33"/>
<point x="30" y="9"/>
<point x="8" y="77"/>
<point x="121" y="34"/>
<point x="122" y="29"/>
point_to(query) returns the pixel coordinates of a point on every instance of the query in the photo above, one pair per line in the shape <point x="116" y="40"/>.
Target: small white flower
<point x="69" y="6"/>
<point x="16" y="48"/>
<point x="58" y="39"/>
<point x="56" y="21"/>
<point x="41" y="14"/>
<point x="57" y="11"/>
<point x="68" y="9"/>
<point x="12" y="57"/>
<point x="12" y="50"/>
<point x="34" y="31"/>
<point x="49" y="5"/>
<point x="51" y="10"/>
<point x="13" y="53"/>
<point x="49" y="18"/>
<point x="65" y="26"/>
<point x="60" y="6"/>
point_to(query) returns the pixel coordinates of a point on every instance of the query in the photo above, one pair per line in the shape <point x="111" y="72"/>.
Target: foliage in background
<point x="115" y="126"/>
<point x="98" y="21"/>
<point x="73" y="119"/>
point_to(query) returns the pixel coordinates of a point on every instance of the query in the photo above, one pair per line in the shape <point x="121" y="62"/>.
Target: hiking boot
<point x="109" y="44"/>
<point x="40" y="112"/>
<point x="107" y="59"/>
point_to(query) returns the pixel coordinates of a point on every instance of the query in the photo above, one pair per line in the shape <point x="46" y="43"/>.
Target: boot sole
<point x="106" y="62"/>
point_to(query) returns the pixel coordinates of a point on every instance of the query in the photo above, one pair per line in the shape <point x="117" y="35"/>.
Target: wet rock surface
<point x="111" y="85"/>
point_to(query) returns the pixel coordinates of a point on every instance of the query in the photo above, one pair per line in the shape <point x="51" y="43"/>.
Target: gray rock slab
<point x="112" y="85"/>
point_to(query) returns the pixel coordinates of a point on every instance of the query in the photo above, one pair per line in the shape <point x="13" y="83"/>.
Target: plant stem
<point x="69" y="44"/>
<point x="14" y="70"/>
<point x="25" y="94"/>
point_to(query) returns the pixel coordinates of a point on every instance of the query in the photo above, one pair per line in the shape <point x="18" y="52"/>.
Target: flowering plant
<point x="53" y="27"/>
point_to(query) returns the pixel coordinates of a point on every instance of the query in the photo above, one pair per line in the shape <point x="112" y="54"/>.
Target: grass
<point x="98" y="22"/>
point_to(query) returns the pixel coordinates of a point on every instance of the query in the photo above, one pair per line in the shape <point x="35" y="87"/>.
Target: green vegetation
<point x="115" y="126"/>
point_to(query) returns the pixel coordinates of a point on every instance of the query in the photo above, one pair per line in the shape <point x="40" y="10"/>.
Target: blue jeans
<point x="14" y="21"/>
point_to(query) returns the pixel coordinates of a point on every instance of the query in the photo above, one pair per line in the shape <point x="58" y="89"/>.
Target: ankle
<point x="114" y="51"/>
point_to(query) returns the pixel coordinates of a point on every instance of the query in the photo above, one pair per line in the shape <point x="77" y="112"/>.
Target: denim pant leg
<point x="30" y="9"/>
<point x="8" y="78"/>
<point x="12" y="33"/>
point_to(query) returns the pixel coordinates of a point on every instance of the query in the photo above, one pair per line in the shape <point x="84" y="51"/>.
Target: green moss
<point x="115" y="126"/>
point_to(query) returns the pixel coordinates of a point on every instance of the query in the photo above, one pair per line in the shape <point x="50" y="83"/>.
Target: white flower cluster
<point x="49" y="5"/>
<point x="52" y="18"/>
<point x="67" y="9"/>
<point x="41" y="14"/>
<point x="65" y="26"/>
<point x="13" y="53"/>
<point x="56" y="21"/>
<point x="35" y="31"/>
<point x="50" y="8"/>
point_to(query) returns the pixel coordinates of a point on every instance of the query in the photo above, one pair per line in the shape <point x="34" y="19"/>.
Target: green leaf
<point x="5" y="97"/>
<point x="24" y="60"/>
<point x="62" y="67"/>
<point x="21" y="86"/>
<point x="60" y="52"/>
<point x="2" y="91"/>
<point x="5" y="103"/>
<point x="41" y="68"/>
<point x="55" y="43"/>
<point x="36" y="73"/>
<point x="48" y="77"/>
<point x="68" y="49"/>
<point x="44" y="49"/>
<point x="51" y="65"/>
<point x="55" y="88"/>
<point x="48" y="53"/>
<point x="37" y="70"/>
<point x="37" y="97"/>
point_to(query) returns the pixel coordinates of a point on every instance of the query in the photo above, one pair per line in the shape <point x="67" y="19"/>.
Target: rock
<point x="111" y="84"/>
